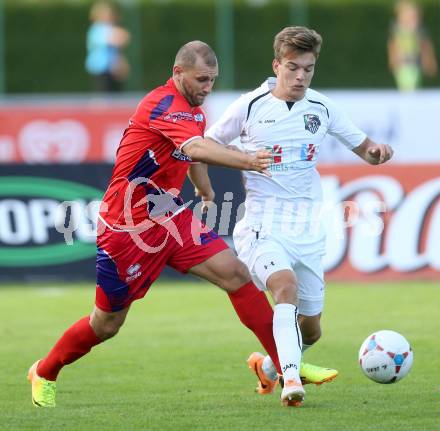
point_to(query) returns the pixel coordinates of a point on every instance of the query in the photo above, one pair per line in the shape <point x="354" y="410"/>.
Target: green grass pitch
<point x="179" y="363"/>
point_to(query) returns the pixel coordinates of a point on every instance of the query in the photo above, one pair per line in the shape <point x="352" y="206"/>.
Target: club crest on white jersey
<point x="312" y="122"/>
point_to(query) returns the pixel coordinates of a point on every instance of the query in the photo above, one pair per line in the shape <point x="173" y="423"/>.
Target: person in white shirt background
<point x="280" y="237"/>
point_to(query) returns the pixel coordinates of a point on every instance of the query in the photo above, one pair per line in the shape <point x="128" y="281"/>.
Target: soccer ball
<point x="385" y="357"/>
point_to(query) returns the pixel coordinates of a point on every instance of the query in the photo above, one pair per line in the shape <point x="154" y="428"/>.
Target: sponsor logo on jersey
<point x="178" y="116"/>
<point x="308" y="152"/>
<point x="178" y="155"/>
<point x="133" y="272"/>
<point x="133" y="269"/>
<point x="198" y="117"/>
<point x="277" y="153"/>
<point x="311" y="123"/>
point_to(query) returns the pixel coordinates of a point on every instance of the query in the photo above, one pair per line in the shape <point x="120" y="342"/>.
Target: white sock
<point x="269" y="368"/>
<point x="287" y="339"/>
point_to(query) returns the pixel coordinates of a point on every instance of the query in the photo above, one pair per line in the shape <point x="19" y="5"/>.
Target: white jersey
<point x="293" y="133"/>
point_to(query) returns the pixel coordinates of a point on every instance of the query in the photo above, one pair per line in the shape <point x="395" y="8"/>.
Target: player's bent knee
<point x="106" y="325"/>
<point x="107" y="330"/>
<point x="312" y="338"/>
<point x="282" y="286"/>
<point x="285" y="294"/>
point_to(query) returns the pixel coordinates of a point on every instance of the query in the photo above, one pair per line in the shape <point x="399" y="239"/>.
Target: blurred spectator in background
<point x="105" y="40"/>
<point x="410" y="51"/>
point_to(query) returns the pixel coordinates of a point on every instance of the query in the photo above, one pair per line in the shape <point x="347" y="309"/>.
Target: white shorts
<point x="266" y="254"/>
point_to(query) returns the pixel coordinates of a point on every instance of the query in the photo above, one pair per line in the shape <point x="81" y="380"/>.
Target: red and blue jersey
<point x="150" y="167"/>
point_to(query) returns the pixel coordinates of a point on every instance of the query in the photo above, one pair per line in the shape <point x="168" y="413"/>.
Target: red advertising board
<point x="60" y="133"/>
<point x="402" y="240"/>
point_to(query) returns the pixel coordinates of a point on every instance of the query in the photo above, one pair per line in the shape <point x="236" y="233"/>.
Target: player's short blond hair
<point x="298" y="40"/>
<point x="188" y="54"/>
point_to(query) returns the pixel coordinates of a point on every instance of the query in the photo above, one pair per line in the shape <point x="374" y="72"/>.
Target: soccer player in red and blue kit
<point x="144" y="224"/>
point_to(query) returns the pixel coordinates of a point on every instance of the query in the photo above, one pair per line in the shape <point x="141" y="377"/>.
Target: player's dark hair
<point x="188" y="54"/>
<point x="297" y="39"/>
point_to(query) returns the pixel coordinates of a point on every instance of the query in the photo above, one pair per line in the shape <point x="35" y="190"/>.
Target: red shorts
<point x="127" y="263"/>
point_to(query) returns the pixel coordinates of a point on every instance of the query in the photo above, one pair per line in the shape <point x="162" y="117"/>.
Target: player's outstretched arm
<point x="372" y="153"/>
<point x="198" y="175"/>
<point x="209" y="151"/>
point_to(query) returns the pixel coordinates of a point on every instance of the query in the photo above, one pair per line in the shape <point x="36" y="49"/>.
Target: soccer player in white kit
<point x="280" y="237"/>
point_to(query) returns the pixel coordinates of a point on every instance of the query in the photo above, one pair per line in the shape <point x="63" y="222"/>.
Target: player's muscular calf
<point x="310" y="328"/>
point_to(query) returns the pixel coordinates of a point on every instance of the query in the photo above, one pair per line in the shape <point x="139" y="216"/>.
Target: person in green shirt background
<point x="410" y="51"/>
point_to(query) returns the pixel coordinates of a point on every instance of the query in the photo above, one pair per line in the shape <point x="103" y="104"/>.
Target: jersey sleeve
<point x="177" y="123"/>
<point x="230" y="125"/>
<point x="342" y="128"/>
